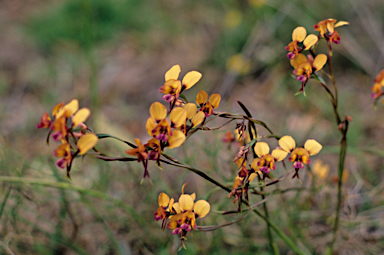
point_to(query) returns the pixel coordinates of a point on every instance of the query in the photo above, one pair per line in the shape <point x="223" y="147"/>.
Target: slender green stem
<point x="342" y="155"/>
<point x="343" y="146"/>
<point x="280" y="233"/>
<point x="333" y="101"/>
<point x="175" y="162"/>
<point x="5" y="201"/>
<point x="331" y="71"/>
<point x="269" y="233"/>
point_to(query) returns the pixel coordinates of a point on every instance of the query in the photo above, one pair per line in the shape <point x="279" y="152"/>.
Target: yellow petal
<point x="176" y="140"/>
<point x="72" y="107"/>
<point x="241" y="162"/>
<point x="198" y="118"/>
<point x="287" y="143"/>
<point x="310" y="41"/>
<point x="252" y="177"/>
<point x="173" y="73"/>
<point x="201" y="97"/>
<point x="341" y="23"/>
<point x="279" y="154"/>
<point x="173" y="222"/>
<point x="150" y="126"/>
<point x="298" y="60"/>
<point x="176" y="206"/>
<point x="171" y="87"/>
<point x="80" y="116"/>
<point x="319" y="61"/>
<point x="170" y="206"/>
<point x="68" y="109"/>
<point x="214" y="100"/>
<point x="261" y="149"/>
<point x="56" y="109"/>
<point x="190" y="79"/>
<point x="312" y="146"/>
<point x="330" y="25"/>
<point x="178" y="117"/>
<point x="201" y="208"/>
<point x="193" y="195"/>
<point x="86" y="142"/>
<point x="254" y="165"/>
<point x="191" y="109"/>
<point x="186" y="202"/>
<point x="62" y="150"/>
<point x="299" y="34"/>
<point x="238" y="182"/>
<point x="163" y="199"/>
<point x="158" y="111"/>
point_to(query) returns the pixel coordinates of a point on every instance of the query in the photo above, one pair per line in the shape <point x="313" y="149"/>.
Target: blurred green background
<point x="112" y="56"/>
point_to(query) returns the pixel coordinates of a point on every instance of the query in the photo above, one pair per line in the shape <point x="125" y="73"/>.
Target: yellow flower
<point x="299" y="156"/>
<point x="173" y="87"/>
<point x="304" y="66"/>
<point x="320" y="170"/>
<point x="155" y="151"/>
<point x="184" y="212"/>
<point x="327" y="29"/>
<point x="141" y="154"/>
<point x="165" y="209"/>
<point x="63" y="152"/>
<point x="195" y="117"/>
<point x="59" y="128"/>
<point x="206" y="105"/>
<point x="377" y="86"/>
<point x="45" y="121"/>
<point x="300" y="35"/>
<point x="61" y="113"/>
<point x="266" y="161"/>
<point x="238" y="64"/>
<point x="377" y="90"/>
<point x="158" y="127"/>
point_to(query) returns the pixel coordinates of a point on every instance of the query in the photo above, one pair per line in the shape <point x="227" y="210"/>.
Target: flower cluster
<point x="265" y="161"/>
<point x="67" y="122"/>
<point x="306" y="66"/>
<point x="260" y="166"/>
<point x="169" y="127"/>
<point x="182" y="215"/>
